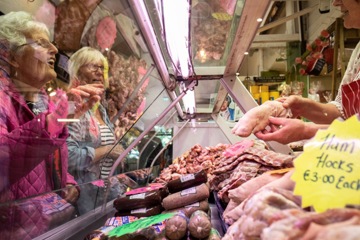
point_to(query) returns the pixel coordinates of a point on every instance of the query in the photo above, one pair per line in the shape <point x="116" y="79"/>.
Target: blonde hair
<point x="82" y="57"/>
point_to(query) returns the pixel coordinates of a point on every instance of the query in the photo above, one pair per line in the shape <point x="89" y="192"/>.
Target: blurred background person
<point x="91" y="140"/>
<point x="224" y="110"/>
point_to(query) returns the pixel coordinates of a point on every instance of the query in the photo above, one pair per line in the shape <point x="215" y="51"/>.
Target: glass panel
<point x="30" y="157"/>
<point x="213" y="25"/>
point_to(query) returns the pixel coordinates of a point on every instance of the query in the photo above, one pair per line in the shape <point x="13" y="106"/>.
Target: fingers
<point x="71" y="194"/>
<point x="277" y="121"/>
<point x="90" y="89"/>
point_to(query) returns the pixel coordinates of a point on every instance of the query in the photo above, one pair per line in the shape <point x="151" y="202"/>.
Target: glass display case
<point x="154" y="101"/>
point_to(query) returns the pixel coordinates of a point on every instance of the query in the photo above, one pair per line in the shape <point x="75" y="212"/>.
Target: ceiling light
<point x="259" y="20"/>
<point x="177" y="35"/>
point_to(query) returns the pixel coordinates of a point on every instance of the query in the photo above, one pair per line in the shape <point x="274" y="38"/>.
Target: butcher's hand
<point x="58" y="109"/>
<point x="287" y="130"/>
<point x="294" y="103"/>
<point x="84" y="97"/>
<point x="258" y="118"/>
<point x="71" y="193"/>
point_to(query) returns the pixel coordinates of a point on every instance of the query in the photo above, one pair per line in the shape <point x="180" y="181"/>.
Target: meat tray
<point x="221" y="208"/>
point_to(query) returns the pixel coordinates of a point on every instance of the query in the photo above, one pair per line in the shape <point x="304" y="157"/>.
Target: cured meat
<point x="238" y="148"/>
<point x="199" y="224"/>
<point x="71" y="17"/>
<point x="186" y="181"/>
<point x="186" y="197"/>
<point x="245" y="171"/>
<point x="176" y="226"/>
<point x="271" y="158"/>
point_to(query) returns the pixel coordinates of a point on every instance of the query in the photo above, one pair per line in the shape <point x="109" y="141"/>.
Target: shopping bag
<point x="29" y="218"/>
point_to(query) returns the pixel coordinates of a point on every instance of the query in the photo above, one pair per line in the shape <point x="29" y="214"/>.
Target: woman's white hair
<point x="81" y="57"/>
<point x="15" y="26"/>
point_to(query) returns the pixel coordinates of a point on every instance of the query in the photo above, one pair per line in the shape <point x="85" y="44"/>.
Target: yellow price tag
<point x="327" y="173"/>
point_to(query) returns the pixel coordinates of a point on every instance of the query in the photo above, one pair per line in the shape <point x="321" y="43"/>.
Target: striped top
<point x="107" y="138"/>
<point x="351" y="75"/>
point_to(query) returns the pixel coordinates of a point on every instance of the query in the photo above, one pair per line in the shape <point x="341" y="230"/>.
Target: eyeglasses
<point x="94" y="67"/>
<point x="39" y="42"/>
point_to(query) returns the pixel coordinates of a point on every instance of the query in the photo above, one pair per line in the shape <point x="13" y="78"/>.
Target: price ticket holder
<point x="327" y="173"/>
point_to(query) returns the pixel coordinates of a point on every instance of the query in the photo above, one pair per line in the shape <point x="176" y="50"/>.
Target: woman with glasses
<point x="91" y="141"/>
<point x="33" y="151"/>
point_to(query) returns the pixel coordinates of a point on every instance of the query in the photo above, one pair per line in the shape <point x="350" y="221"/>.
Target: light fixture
<point x="176" y="30"/>
<point x="188" y="99"/>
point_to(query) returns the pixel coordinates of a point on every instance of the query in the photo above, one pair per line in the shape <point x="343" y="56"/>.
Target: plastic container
<point x="274" y="95"/>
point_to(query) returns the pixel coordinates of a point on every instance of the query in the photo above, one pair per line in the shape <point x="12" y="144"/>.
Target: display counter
<point x="167" y="135"/>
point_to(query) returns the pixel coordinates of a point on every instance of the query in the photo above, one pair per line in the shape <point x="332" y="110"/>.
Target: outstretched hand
<point x="71" y="193"/>
<point x="257" y="118"/>
<point x="284" y="130"/>
<point x="295" y="103"/>
<point x="84" y="97"/>
<point x="58" y="109"/>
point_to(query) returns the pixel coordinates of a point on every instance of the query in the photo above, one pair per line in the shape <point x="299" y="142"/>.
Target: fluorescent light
<point x="188" y="100"/>
<point x="177" y="35"/>
<point x="68" y="120"/>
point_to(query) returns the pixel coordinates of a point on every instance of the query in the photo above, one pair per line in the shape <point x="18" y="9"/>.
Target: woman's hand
<point x="84" y="97"/>
<point x="287" y="130"/>
<point x="257" y="118"/>
<point x="58" y="109"/>
<point x="115" y="153"/>
<point x="71" y="193"/>
<point x="295" y="103"/>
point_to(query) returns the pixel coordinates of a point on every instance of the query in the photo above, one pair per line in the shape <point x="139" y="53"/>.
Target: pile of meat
<point x="209" y="33"/>
<point x="71" y="18"/>
<point x="124" y="76"/>
<point x="227" y="166"/>
<point x="266" y="208"/>
<point x="196" y="159"/>
<point x="231" y="172"/>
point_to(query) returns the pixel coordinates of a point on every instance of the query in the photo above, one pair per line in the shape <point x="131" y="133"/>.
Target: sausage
<point x="186" y="197"/>
<point x="141" y="212"/>
<point x="199" y="224"/>
<point x="214" y="235"/>
<point x="176" y="226"/>
<point x="140" y="200"/>
<point x="186" y="181"/>
<point x="189" y="209"/>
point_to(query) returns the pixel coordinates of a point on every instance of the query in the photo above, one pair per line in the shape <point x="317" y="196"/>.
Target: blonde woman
<point x="91" y="140"/>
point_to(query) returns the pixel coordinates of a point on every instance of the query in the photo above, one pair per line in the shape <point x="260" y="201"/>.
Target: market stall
<point x="183" y="173"/>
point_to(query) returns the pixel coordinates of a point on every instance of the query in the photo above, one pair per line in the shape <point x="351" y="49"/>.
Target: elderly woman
<point x="33" y="150"/>
<point x="346" y="104"/>
<point x="91" y="140"/>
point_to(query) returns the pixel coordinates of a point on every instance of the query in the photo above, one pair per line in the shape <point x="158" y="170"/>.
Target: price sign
<point x="327" y="174"/>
